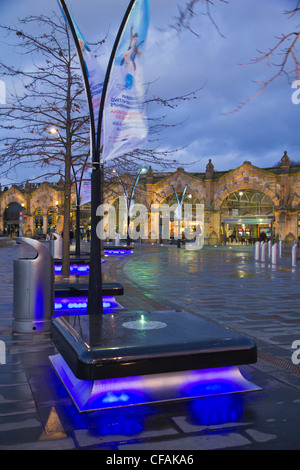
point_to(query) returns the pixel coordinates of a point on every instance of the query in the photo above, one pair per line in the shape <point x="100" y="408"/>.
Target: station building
<point x="239" y="204"/>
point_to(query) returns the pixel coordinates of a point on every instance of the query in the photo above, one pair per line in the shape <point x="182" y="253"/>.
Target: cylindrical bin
<point x="56" y="246"/>
<point x="33" y="291"/>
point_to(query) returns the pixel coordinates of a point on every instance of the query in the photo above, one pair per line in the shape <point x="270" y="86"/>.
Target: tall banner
<point x="124" y="119"/>
<point x="92" y="72"/>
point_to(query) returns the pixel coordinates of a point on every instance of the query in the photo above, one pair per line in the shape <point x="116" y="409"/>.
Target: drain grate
<point x="281" y="363"/>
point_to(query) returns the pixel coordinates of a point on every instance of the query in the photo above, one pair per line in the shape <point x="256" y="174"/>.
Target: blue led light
<point x="74" y="269"/>
<point x="73" y="304"/>
<point x="91" y="395"/>
<point x="118" y="252"/>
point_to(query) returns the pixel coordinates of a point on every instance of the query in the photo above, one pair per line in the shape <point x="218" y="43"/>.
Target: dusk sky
<point x="178" y="63"/>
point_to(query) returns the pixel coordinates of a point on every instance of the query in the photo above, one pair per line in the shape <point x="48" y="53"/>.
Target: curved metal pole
<point x="84" y="72"/>
<point x="95" y="304"/>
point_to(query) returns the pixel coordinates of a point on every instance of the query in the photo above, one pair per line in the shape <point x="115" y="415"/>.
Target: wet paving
<point x="221" y="284"/>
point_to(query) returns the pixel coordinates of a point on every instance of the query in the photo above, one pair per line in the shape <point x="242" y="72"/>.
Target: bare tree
<point x="46" y="93"/>
<point x="283" y="57"/>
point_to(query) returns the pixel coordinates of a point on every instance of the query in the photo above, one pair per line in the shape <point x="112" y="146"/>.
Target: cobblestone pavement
<point x="221" y="284"/>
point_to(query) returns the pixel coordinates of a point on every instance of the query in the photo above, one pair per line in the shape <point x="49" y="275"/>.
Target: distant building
<point x="244" y="202"/>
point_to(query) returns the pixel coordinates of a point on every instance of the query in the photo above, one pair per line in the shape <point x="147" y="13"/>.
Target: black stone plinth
<point x="81" y="289"/>
<point x="98" y="347"/>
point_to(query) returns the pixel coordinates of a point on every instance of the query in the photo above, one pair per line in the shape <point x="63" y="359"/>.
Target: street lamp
<point x="179" y="207"/>
<point x="130" y="197"/>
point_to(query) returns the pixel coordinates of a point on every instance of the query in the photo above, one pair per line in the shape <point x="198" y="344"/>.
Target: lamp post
<point x="179" y="204"/>
<point x="130" y="197"/>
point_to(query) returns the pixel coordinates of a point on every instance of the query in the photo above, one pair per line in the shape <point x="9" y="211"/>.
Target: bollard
<point x="257" y="250"/>
<point x="280" y="248"/>
<point x="56" y="246"/>
<point x="274" y="253"/>
<point x="33" y="291"/>
<point x="269" y="247"/>
<point x="263" y="251"/>
<point x="117" y="239"/>
<point x="294" y="254"/>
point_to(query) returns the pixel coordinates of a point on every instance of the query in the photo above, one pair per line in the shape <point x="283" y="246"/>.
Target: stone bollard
<point x="274" y="253"/>
<point x="56" y="246"/>
<point x="263" y="251"/>
<point x="294" y="254"/>
<point x="117" y="239"/>
<point x="33" y="290"/>
<point x="269" y="248"/>
<point x="257" y="250"/>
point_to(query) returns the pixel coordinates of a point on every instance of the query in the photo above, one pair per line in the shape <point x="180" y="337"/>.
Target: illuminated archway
<point x="245" y="214"/>
<point x="12" y="214"/>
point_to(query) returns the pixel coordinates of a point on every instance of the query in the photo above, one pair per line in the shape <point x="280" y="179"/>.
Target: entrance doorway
<point x="246" y="215"/>
<point x="12" y="218"/>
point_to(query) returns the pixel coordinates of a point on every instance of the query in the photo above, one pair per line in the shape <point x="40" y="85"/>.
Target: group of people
<point x="233" y="237"/>
<point x="72" y="235"/>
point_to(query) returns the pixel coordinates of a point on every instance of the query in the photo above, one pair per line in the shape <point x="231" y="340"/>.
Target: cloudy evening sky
<point x="213" y="60"/>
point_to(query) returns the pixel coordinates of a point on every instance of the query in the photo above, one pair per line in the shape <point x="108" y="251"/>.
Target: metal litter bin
<point x="33" y="292"/>
<point x="56" y="246"/>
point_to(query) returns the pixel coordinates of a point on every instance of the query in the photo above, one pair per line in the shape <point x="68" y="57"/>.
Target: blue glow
<point x="63" y="304"/>
<point x="91" y="395"/>
<point x="216" y="381"/>
<point x="218" y="409"/>
<point x="118" y="252"/>
<point x="83" y="269"/>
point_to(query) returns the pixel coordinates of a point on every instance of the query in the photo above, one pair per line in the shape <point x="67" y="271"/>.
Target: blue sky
<point x="179" y="63"/>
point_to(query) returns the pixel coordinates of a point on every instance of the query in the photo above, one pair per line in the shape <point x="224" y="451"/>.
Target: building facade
<point x="239" y="204"/>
